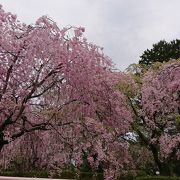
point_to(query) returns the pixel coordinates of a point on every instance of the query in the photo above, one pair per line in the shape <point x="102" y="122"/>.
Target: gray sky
<point x="125" y="28"/>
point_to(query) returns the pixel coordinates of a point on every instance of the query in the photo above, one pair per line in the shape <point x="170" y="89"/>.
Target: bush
<point x="38" y="174"/>
<point x="67" y="174"/>
<point x="126" y="177"/>
<point x="89" y="176"/>
<point x="141" y="173"/>
<point x="157" y="178"/>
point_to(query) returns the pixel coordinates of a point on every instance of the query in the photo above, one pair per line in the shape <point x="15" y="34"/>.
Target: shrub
<point x="38" y="174"/>
<point x="157" y="178"/>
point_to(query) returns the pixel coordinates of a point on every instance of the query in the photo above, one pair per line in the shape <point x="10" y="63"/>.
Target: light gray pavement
<point x="24" y="178"/>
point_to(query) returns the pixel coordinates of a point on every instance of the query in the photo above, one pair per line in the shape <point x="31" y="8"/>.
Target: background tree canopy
<point x="161" y="51"/>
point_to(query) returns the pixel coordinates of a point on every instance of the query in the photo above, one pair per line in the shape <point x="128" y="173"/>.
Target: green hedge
<point x="88" y="176"/>
<point x="66" y="174"/>
<point x="83" y="175"/>
<point x="157" y="178"/>
<point x="38" y="174"/>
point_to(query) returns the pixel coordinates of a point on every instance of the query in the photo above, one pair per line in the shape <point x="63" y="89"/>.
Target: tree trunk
<point x="165" y="169"/>
<point x="2" y="141"/>
<point x="1" y="146"/>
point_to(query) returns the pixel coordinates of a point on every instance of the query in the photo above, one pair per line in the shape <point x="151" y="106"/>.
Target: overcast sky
<point x="125" y="28"/>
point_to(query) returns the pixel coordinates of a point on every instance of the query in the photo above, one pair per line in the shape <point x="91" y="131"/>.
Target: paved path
<point x="24" y="178"/>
